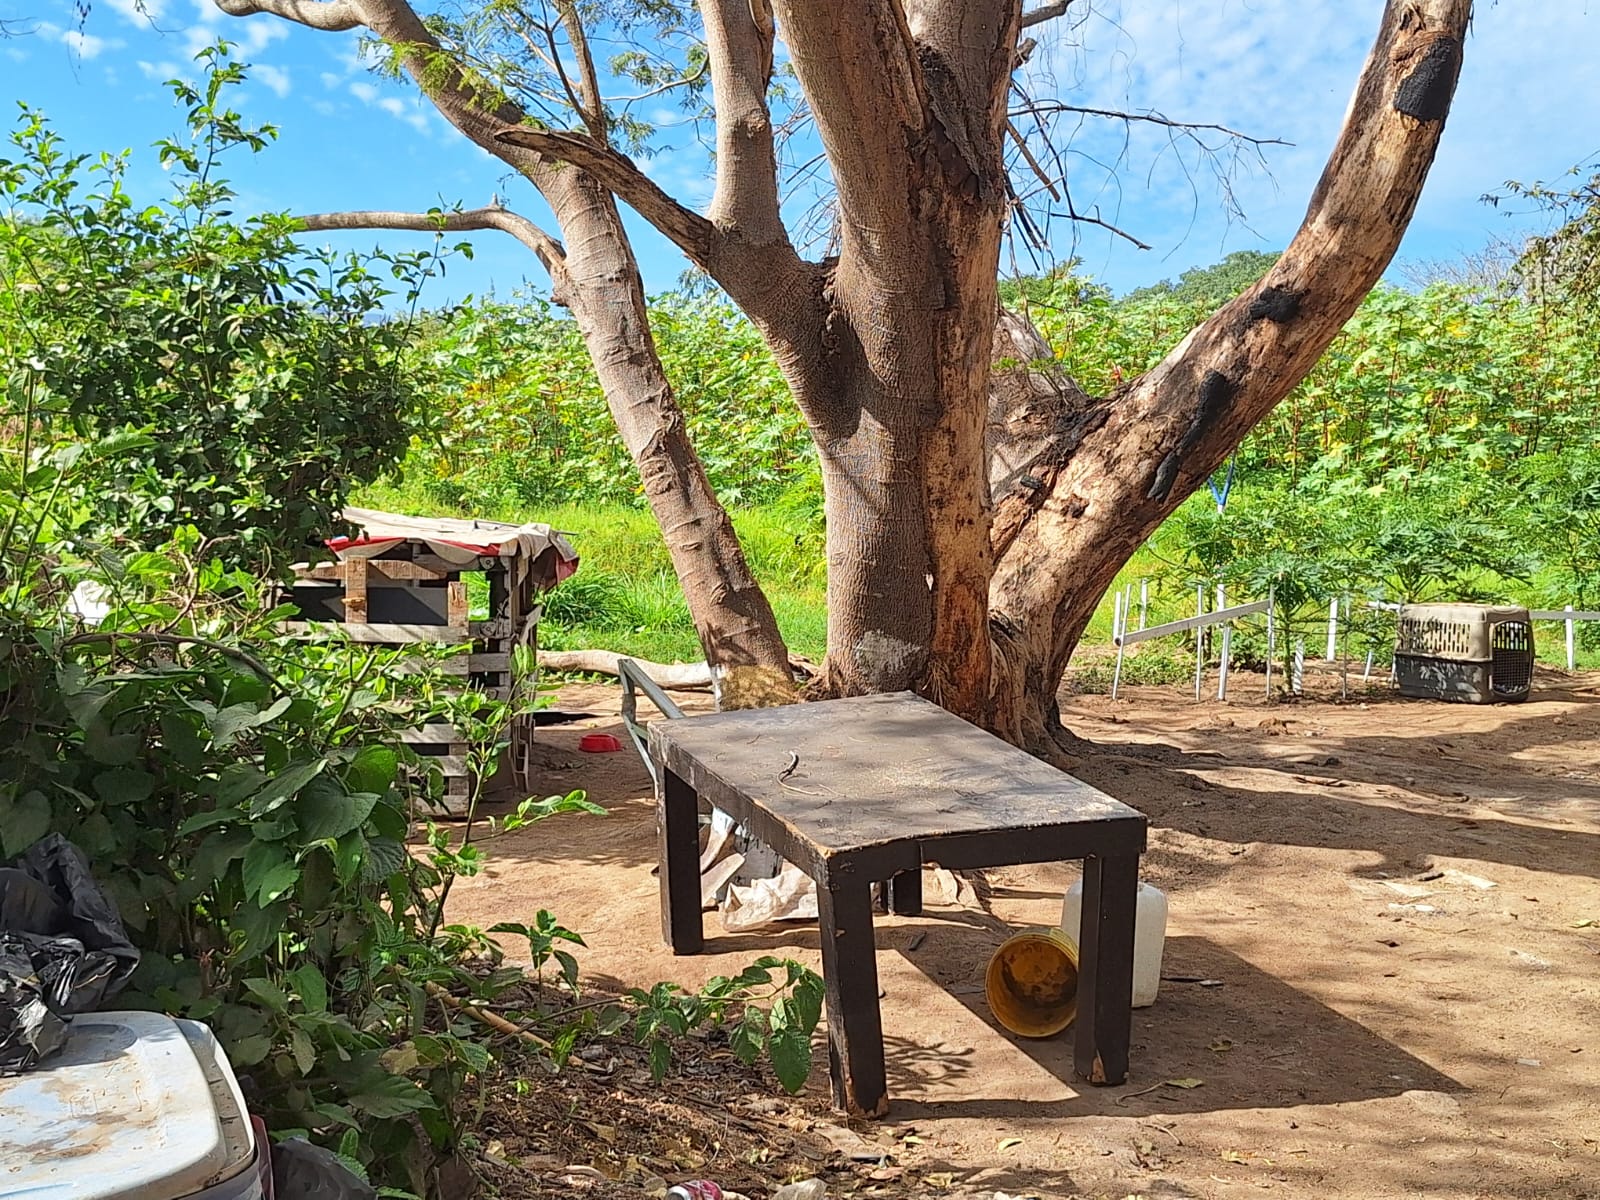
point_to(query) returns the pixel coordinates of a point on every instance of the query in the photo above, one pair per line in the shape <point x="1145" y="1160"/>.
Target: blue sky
<point x="1275" y="68"/>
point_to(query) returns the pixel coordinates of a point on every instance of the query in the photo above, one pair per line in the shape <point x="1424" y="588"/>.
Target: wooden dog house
<point x="402" y="580"/>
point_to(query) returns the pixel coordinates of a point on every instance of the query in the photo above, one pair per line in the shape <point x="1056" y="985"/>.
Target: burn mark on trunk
<point x="1277" y="304"/>
<point x="1425" y="93"/>
<point x="1215" y="393"/>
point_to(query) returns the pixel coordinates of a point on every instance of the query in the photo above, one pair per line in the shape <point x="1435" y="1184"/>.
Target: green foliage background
<point x="1446" y="446"/>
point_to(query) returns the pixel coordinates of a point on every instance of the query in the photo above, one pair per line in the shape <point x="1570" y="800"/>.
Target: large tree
<point x="974" y="515"/>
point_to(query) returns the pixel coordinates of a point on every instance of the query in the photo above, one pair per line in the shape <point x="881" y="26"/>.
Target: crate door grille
<point x="1512" y="671"/>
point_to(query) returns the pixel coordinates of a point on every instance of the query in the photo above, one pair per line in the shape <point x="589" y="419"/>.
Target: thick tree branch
<point x="739" y="36"/>
<point x="593" y="106"/>
<point x="1089" y="507"/>
<point x="689" y="231"/>
<point x="858" y="66"/>
<point x="1045" y="12"/>
<point x="333" y="16"/>
<point x="549" y="249"/>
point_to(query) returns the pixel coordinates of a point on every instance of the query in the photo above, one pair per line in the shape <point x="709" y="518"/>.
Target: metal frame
<point x="634" y="681"/>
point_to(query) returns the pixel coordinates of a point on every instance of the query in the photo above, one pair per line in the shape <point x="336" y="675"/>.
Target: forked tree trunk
<point x="887" y="348"/>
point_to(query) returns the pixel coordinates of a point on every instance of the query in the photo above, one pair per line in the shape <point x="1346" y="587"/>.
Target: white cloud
<point x="87" y="45"/>
<point x="394" y="107"/>
<point x="365" y="92"/>
<point x="79" y="44"/>
<point x="323" y="108"/>
<point x="16" y="55"/>
<point x="330" y="80"/>
<point x="275" y="78"/>
<point x="160" y="72"/>
<point x="1286" y="69"/>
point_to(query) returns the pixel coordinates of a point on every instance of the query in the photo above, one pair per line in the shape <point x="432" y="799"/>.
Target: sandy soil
<point x="1401" y="901"/>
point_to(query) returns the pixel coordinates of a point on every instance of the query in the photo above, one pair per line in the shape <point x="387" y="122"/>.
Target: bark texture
<point x="889" y="346"/>
<point x="1113" y="469"/>
<point x="594" y="274"/>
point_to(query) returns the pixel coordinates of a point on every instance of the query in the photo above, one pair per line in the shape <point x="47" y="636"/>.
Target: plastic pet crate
<point x="1476" y="653"/>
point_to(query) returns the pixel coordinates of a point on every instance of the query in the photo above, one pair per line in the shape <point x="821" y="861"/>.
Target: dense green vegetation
<point x="1447" y="446"/>
<point x="185" y="400"/>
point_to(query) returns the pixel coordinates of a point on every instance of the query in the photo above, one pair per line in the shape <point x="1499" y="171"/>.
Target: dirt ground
<point x="1395" y="905"/>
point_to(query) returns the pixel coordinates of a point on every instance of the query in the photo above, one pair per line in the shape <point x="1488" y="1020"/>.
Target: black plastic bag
<point x="63" y="950"/>
<point x="301" y="1171"/>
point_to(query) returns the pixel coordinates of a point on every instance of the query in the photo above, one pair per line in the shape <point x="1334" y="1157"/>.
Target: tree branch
<point x="550" y="251"/>
<point x="739" y="37"/>
<point x="593" y="108"/>
<point x="333" y="16"/>
<point x="689" y="231"/>
<point x="1045" y="12"/>
<point x="1035" y="107"/>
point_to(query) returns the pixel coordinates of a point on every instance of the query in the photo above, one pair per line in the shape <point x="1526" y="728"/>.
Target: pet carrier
<point x="1472" y="652"/>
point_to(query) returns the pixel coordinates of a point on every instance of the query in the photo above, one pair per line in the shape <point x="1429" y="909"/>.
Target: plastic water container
<point x="1149" y="937"/>
<point x="136" y="1106"/>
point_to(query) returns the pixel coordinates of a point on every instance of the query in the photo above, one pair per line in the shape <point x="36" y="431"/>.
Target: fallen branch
<point x="492" y="1020"/>
<point x="678" y="677"/>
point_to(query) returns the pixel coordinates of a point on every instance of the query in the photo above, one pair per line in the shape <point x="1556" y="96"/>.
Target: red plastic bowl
<point x="599" y="743"/>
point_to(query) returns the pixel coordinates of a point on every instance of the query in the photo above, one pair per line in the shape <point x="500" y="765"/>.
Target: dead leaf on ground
<point x="1007" y="1143"/>
<point x="1185" y="1083"/>
<point x="1221" y="1045"/>
<point x="1234" y="1156"/>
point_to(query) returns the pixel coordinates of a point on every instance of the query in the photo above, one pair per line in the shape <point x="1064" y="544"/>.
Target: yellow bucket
<point x="1032" y="982"/>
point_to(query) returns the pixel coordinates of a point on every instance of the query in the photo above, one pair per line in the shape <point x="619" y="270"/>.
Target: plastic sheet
<point x="63" y="950"/>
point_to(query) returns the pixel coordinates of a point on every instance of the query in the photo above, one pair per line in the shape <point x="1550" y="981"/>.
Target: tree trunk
<point x="1104" y="474"/>
<point x="596" y="276"/>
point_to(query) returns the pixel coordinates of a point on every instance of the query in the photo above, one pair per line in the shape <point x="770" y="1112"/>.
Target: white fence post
<point x="1298" y="675"/>
<point x="1199" y="640"/>
<point x="1271" y="642"/>
<point x="1227" y="645"/>
<point x="1119" y="621"/>
<point x="1144" y="601"/>
<point x="1572" y="643"/>
<point x="1333" y="630"/>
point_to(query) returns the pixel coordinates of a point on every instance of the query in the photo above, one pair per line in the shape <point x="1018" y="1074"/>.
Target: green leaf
<point x="268" y="993"/>
<point x="305" y="1053"/>
<point x="110" y="749"/>
<point x="182" y="738"/>
<point x="209" y="865"/>
<point x="324" y="812"/>
<point x="788" y="1045"/>
<point x="348" y="856"/>
<point x="264" y="864"/>
<point x="310" y="986"/>
<point x="230" y="722"/>
<point x="260" y="927"/>
<point x="124" y="785"/>
<point x="660" y="1058"/>
<point x="204" y="820"/>
<point x="384" y="1095"/>
<point x="373" y="769"/>
<point x="248" y="1051"/>
<point x="284" y="785"/>
<point x="24" y="821"/>
<point x="750" y="1035"/>
<point x="383" y="858"/>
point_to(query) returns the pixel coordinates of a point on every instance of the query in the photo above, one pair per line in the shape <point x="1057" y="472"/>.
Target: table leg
<point x="905" y="894"/>
<point x="1105" y="968"/>
<point x="678" y="835"/>
<point x="850" y="976"/>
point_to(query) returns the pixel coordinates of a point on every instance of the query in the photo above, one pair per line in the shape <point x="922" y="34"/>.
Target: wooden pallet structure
<point x="401" y="580"/>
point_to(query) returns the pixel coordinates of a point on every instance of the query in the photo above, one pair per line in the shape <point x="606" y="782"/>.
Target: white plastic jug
<point x="1149" y="937"/>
